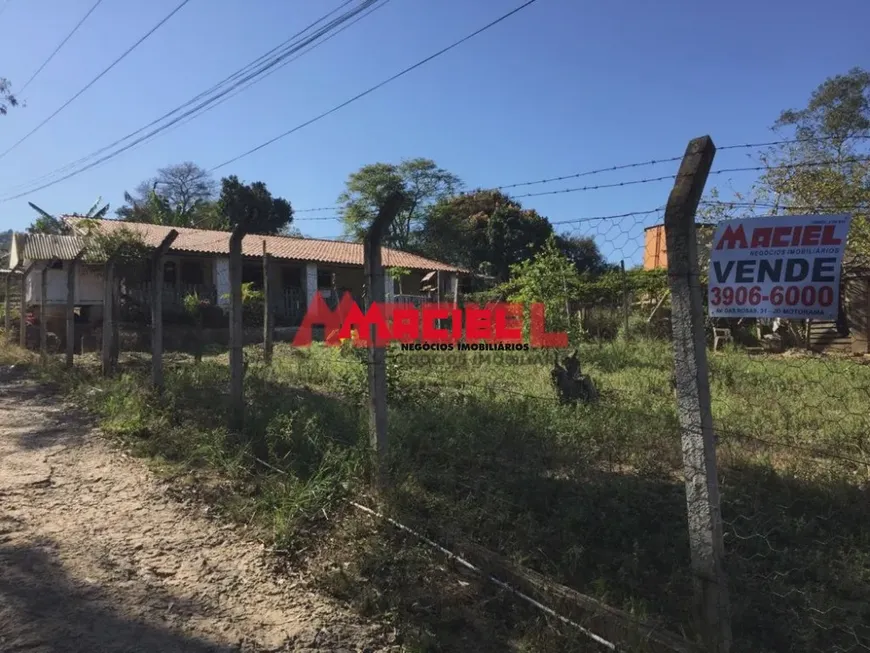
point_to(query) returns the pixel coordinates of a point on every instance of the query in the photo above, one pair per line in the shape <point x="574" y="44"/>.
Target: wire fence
<point x="585" y="501"/>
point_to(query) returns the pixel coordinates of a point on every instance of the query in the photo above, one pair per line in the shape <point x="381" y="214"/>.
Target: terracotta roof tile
<point x="205" y="241"/>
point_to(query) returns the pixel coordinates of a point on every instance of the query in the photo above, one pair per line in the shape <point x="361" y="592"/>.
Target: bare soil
<point x="95" y="556"/>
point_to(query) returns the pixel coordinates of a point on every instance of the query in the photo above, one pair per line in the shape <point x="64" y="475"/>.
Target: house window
<point x="169" y="272"/>
<point x="324" y="279"/>
<point x="192" y="273"/>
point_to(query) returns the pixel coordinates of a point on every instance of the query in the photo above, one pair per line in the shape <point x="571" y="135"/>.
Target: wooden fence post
<point x="267" y="307"/>
<point x="693" y="397"/>
<point x="624" y="297"/>
<point x="237" y="371"/>
<point x="72" y="266"/>
<point x="22" y="322"/>
<point x="108" y="320"/>
<point x="7" y="307"/>
<point x="157" y="309"/>
<point x="43" y="327"/>
<point x="377" y="369"/>
<point x="116" y="318"/>
<point x="455" y="290"/>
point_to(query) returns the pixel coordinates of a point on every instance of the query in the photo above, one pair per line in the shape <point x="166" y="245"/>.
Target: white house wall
<point x="88" y="285"/>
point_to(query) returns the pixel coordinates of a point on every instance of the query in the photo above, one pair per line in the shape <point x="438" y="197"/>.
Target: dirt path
<point x="94" y="557"/>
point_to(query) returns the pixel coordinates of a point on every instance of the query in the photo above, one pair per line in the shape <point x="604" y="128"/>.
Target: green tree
<point x="291" y="231"/>
<point x="7" y="99"/>
<point x="820" y="173"/>
<point x="549" y="277"/>
<point x="253" y="206"/>
<point x="180" y="195"/>
<point x="485" y="231"/>
<point x="47" y="223"/>
<point x="421" y="181"/>
<point x="583" y="252"/>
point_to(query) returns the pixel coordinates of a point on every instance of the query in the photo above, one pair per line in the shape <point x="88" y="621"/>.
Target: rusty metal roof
<point x="48" y="247"/>
<point x="204" y="241"/>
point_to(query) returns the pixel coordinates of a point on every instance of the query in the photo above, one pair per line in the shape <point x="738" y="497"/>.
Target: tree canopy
<point x="7" y="98"/>
<point x="47" y="223"/>
<point x="483" y="230"/>
<point x="828" y="170"/>
<point x="253" y="206"/>
<point x="421" y="181"/>
<point x="185" y="195"/>
<point x="583" y="252"/>
<point x="177" y="195"/>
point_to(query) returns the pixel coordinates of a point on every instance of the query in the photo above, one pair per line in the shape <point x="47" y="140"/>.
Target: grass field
<point x="482" y="452"/>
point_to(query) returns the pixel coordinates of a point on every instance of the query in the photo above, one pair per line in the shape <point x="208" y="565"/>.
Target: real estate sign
<point x="778" y="266"/>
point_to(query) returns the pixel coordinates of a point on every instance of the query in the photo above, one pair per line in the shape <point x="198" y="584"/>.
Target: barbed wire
<point x="640" y="164"/>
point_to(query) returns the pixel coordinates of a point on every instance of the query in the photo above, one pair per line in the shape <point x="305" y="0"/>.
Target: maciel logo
<point x="496" y="323"/>
<point x="773" y="237"/>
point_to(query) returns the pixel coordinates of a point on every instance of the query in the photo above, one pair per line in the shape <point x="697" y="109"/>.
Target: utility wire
<point x="97" y="78"/>
<point x="202" y="104"/>
<point x="58" y="48"/>
<point x="376" y="86"/>
<point x="365" y="14"/>
<point x="216" y="87"/>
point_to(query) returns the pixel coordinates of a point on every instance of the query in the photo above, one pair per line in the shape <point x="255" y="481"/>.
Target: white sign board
<point x="778" y="266"/>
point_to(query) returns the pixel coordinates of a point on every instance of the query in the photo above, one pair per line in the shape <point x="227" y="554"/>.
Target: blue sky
<point x="561" y="87"/>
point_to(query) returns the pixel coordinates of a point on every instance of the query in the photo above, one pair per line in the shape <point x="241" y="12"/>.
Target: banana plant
<point x="46" y="223"/>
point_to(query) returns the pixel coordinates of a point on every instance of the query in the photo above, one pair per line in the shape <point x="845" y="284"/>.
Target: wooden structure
<point x="851" y="333"/>
<point x="721" y="336"/>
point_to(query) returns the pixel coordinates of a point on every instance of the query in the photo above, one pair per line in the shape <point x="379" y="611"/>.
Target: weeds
<point x="591" y="496"/>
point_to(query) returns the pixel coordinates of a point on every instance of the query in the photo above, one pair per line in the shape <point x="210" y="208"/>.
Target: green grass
<point x="481" y="452"/>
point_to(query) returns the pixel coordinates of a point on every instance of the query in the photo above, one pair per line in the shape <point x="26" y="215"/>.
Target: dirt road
<point x="94" y="557"/>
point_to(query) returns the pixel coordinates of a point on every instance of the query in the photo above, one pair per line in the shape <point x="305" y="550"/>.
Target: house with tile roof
<point x="198" y="262"/>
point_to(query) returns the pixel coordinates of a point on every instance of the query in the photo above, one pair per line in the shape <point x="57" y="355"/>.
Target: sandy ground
<point x="94" y="556"/>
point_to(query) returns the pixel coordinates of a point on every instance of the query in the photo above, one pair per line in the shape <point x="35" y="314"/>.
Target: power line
<point x="214" y="88"/>
<point x="362" y="15"/>
<point x="58" y="48"/>
<point x="271" y="63"/>
<point x="98" y="77"/>
<point x="376" y="86"/>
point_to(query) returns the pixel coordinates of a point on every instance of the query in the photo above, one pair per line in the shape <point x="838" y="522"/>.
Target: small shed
<point x="33" y="253"/>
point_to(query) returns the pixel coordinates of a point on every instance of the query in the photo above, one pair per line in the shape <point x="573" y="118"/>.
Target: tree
<point x="550" y="278"/>
<point x="291" y="231"/>
<point x="178" y="196"/>
<point x="50" y="224"/>
<point x="421" y="181"/>
<point x="7" y="99"/>
<point x="583" y="252"/>
<point x="485" y="231"/>
<point x="827" y="170"/>
<point x="253" y="206"/>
